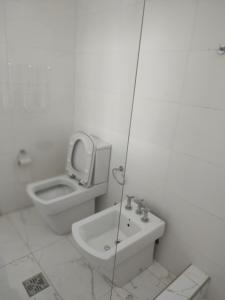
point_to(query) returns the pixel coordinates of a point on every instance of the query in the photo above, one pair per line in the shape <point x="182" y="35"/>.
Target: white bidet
<point x="97" y="237"/>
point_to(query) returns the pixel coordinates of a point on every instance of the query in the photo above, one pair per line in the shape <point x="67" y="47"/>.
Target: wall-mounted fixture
<point x="23" y="158"/>
<point x="221" y="50"/>
<point x="120" y="170"/>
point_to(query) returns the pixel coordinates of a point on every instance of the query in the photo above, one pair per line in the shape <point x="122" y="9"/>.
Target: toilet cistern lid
<point x="80" y="160"/>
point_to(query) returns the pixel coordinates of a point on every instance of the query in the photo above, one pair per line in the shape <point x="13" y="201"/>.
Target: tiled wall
<point x="177" y="151"/>
<point x="107" y="35"/>
<point x="36" y="62"/>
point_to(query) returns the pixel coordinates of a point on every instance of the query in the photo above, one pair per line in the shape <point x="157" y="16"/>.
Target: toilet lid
<point x="80" y="160"/>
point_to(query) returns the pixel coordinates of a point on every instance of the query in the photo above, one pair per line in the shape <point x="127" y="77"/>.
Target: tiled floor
<point x="29" y="247"/>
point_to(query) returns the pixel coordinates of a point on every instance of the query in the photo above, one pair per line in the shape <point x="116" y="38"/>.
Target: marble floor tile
<point x="11" y="244"/>
<point x="33" y="229"/>
<point x="118" y="294"/>
<point x="145" y="286"/>
<point x="186" y="285"/>
<point x="65" y="269"/>
<point x="12" y="276"/>
<point x="161" y="273"/>
<point x="70" y="273"/>
<point x="71" y="240"/>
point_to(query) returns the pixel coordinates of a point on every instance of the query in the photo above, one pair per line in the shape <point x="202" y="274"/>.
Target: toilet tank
<point x="102" y="161"/>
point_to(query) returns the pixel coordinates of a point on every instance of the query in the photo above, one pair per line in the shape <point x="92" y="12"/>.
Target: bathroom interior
<point x="112" y="156"/>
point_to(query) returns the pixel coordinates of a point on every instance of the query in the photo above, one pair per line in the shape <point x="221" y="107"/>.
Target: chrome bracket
<point x="221" y="50"/>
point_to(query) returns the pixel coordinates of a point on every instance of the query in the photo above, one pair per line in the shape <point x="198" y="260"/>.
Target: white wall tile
<point x="6" y="132"/>
<point x="176" y="153"/>
<point x="168" y="24"/>
<point x="108" y="29"/>
<point x="103" y="5"/>
<point x="40" y="34"/>
<point x="99" y="109"/>
<point x="154" y="121"/>
<point x="107" y="36"/>
<point x="13" y="197"/>
<point x="197" y="228"/>
<point x="200" y="183"/>
<point x="2" y="23"/>
<point x="204" y="84"/>
<point x="97" y="71"/>
<point x="210" y="25"/>
<point x="187" y="254"/>
<point x="161" y="74"/>
<point x="200" y="132"/>
<point x="146" y="168"/>
<point x="38" y="24"/>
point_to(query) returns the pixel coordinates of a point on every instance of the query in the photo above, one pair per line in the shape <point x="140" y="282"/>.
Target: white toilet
<point x="66" y="199"/>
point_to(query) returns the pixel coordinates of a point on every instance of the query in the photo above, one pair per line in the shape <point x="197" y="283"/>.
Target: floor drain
<point x="35" y="284"/>
<point x="107" y="247"/>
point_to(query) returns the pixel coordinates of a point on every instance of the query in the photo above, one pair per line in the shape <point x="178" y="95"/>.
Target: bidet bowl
<point x="97" y="238"/>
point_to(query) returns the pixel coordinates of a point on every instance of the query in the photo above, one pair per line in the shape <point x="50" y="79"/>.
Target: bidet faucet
<point x="129" y="199"/>
<point x="140" y="205"/>
<point x="145" y="217"/>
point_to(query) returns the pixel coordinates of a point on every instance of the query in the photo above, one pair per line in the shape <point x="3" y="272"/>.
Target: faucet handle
<point x="129" y="199"/>
<point x="140" y="205"/>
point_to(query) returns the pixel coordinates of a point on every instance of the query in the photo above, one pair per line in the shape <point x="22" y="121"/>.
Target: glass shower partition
<point x="107" y="46"/>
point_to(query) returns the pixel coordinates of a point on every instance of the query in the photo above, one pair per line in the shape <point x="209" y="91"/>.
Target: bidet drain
<point x="107" y="247"/>
<point x="117" y="242"/>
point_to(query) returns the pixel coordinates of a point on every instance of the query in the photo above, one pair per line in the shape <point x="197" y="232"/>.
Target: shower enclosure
<point x="175" y="145"/>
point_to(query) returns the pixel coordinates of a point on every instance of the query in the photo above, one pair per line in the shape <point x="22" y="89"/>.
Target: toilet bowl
<point x="97" y="238"/>
<point x="68" y="198"/>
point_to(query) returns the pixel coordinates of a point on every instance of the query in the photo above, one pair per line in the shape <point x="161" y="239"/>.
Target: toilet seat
<point x="80" y="161"/>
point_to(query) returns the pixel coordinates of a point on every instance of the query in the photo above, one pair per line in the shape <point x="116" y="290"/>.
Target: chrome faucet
<point x="145" y="210"/>
<point x="129" y="199"/>
<point x="140" y="205"/>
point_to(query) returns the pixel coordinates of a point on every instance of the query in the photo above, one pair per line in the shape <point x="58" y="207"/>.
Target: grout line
<point x="44" y="247"/>
<point x="196" y="157"/>
<point x="46" y="275"/>
<point x="199" y="208"/>
<point x="14" y="226"/>
<point x="168" y="148"/>
<point x="15" y="260"/>
<point x="179" y="102"/>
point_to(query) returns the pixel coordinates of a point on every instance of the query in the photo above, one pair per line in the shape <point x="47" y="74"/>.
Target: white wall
<point x="41" y="34"/>
<point x="107" y="35"/>
<point x="177" y="151"/>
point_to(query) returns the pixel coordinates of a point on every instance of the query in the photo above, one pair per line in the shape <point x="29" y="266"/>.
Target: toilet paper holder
<point x="23" y="158"/>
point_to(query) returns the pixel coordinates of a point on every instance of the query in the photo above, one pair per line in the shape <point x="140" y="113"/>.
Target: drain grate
<point x="35" y="284"/>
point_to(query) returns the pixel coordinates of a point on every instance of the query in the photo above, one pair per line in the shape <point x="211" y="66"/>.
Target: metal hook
<point x="119" y="169"/>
